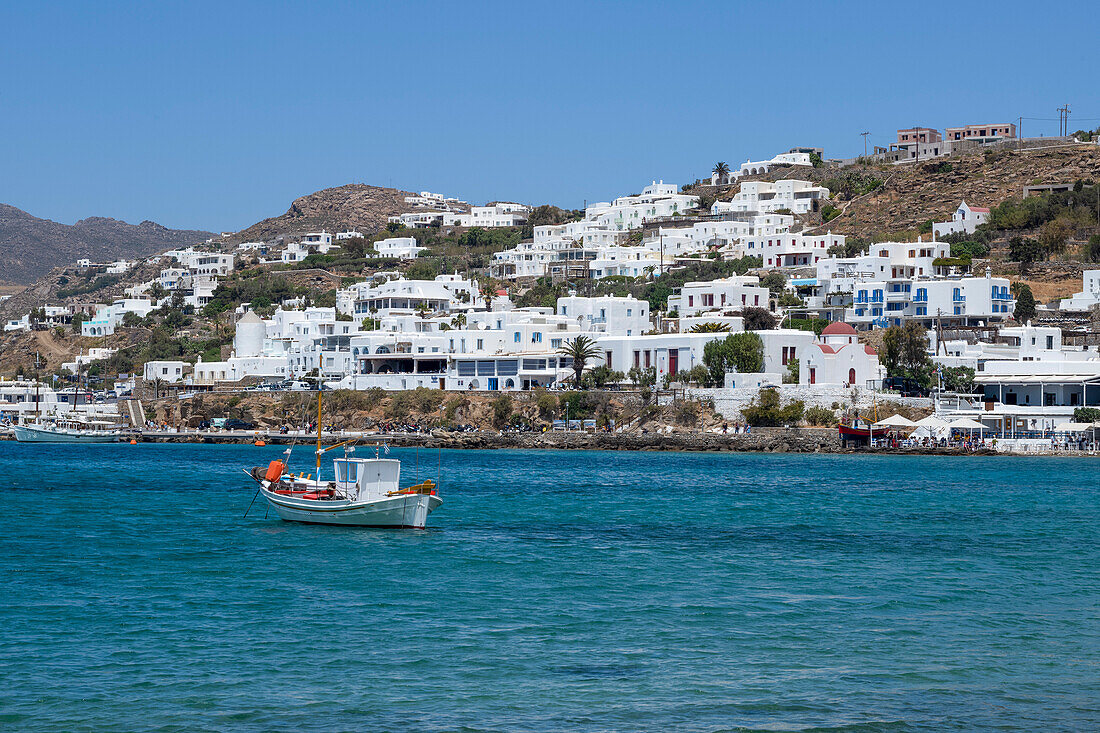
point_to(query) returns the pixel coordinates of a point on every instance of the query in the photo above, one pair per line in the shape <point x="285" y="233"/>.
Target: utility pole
<point x="1020" y="128"/>
<point x="865" y="134"/>
<point x="1063" y="120"/>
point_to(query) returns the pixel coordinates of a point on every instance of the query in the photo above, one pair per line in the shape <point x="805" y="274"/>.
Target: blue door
<point x="493" y="384"/>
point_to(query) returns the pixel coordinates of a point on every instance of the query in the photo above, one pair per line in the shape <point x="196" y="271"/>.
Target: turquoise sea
<point x="584" y="591"/>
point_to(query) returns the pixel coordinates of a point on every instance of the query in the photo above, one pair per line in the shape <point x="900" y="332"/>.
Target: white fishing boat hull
<point x="406" y="511"/>
<point x="32" y="434"/>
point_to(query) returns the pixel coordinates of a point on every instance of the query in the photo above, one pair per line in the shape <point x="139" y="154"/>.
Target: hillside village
<point x="956" y="273"/>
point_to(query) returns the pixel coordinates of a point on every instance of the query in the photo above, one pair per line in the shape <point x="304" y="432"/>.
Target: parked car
<point x="235" y="424"/>
<point x="906" y="386"/>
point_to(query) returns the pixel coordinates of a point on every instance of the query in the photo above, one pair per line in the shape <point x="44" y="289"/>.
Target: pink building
<point x="918" y="135"/>
<point x="983" y="133"/>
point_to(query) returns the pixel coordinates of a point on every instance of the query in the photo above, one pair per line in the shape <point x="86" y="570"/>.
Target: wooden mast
<point x="320" y="361"/>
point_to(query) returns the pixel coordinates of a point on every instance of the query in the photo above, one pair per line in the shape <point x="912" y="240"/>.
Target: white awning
<point x="1037" y="379"/>
<point x="896" y="421"/>
<point x="1073" y="427"/>
<point x="965" y="423"/>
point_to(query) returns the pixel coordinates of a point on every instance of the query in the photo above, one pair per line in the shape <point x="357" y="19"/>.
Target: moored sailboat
<point x="363" y="492"/>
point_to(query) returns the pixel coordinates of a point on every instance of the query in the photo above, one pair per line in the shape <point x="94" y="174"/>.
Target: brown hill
<point x="30" y="246"/>
<point x="354" y="206"/>
<point x="913" y="193"/>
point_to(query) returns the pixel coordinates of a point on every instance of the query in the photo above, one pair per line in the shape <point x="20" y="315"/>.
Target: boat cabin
<point x="361" y="478"/>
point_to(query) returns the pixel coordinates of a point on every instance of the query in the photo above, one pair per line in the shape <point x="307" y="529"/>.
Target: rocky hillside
<point x="914" y="193"/>
<point x="30" y="247"/>
<point x="356" y="205"/>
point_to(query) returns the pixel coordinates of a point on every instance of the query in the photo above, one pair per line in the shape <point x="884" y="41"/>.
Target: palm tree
<point x="488" y="292"/>
<point x="581" y="350"/>
<point x="458" y="321"/>
<point x="721" y="170"/>
<point x="710" y="327"/>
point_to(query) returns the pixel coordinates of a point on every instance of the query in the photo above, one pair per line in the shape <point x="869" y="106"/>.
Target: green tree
<point x="1025" y="304"/>
<point x="581" y="350"/>
<point x="721" y="169"/>
<point x="1086" y="414"/>
<point x="792" y="374"/>
<point x="738" y="352"/>
<point x="1092" y="251"/>
<point x="644" y="378"/>
<point x="698" y="374"/>
<point x="1024" y="250"/>
<point x="905" y="353"/>
<point x="774" y="281"/>
<point x="758" y="319"/>
<point x="958" y="379"/>
<point x="601" y="376"/>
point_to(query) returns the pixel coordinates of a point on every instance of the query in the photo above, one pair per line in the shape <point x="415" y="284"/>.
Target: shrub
<point x="1086" y="414"/>
<point x="767" y="411"/>
<point x="453" y="406"/>
<point x="547" y="405"/>
<point x="821" y="416"/>
<point x="426" y="400"/>
<point x="502" y="410"/>
<point x="685" y="412"/>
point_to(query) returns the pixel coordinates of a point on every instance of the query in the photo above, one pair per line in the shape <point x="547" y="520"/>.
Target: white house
<point x="253" y="356"/>
<point x="798" y="197"/>
<point x="966" y="219"/>
<point x="593" y="247"/>
<point x="608" y="313"/>
<point x="750" y="168"/>
<point x="171" y="372"/>
<point x="494" y="215"/>
<point x="1089" y="295"/>
<point x="418" y="219"/>
<point x="108" y="317"/>
<point x="716" y="296"/>
<point x="838" y="358"/>
<point x="401" y="248"/>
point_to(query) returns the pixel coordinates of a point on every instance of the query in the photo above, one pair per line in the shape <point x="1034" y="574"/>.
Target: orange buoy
<point x="133" y="441"/>
<point x="259" y="444"/>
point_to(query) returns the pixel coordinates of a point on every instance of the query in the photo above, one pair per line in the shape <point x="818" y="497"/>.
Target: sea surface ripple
<point x="589" y="591"/>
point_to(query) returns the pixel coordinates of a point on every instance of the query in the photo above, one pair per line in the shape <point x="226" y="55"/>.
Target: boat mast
<point x="320" y="362"/>
<point x="37" y="385"/>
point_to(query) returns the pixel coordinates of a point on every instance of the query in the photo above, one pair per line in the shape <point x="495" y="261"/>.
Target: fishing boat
<point x="363" y="492"/>
<point x="69" y="429"/>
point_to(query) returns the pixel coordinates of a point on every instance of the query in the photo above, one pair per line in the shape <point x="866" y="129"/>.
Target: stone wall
<point x="728" y="402"/>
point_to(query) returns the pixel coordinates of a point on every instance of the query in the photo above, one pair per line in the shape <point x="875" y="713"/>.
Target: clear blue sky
<point x="215" y="115"/>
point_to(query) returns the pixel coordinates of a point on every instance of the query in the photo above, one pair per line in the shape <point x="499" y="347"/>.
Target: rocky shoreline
<point x="760" y="440"/>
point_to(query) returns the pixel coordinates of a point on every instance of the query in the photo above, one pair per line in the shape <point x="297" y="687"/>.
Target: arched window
<point x="851" y="377"/>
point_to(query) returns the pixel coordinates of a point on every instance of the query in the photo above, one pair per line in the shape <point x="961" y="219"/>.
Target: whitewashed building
<point x="966" y="219"/>
<point x="717" y="296"/>
<point x="790" y="195"/>
<point x="837" y="358"/>
<point x="1089" y="297"/>
<point x="400" y="248"/>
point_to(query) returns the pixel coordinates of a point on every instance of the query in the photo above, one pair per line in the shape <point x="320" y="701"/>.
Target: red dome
<point x="838" y="328"/>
